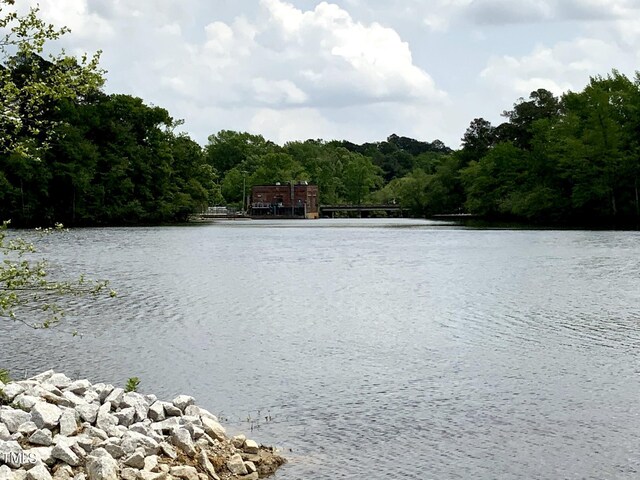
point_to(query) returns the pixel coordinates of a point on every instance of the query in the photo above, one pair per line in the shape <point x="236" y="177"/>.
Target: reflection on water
<point x="377" y="348"/>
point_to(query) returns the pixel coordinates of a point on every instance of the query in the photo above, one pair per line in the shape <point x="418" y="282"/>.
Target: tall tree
<point x="28" y="84"/>
<point x="360" y="176"/>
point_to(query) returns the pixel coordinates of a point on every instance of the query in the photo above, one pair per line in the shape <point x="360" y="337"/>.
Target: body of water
<point x="371" y="349"/>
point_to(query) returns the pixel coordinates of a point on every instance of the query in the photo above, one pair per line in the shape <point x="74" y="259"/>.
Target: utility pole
<point x="244" y="188"/>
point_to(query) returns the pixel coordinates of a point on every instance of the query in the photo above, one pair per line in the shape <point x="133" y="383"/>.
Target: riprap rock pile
<point x="53" y="428"/>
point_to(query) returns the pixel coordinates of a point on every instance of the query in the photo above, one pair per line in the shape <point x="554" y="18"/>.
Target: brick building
<point x="287" y="200"/>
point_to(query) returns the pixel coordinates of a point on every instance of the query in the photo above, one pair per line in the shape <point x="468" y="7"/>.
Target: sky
<point x="347" y="69"/>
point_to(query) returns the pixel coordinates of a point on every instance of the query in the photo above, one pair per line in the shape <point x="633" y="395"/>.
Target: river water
<point x="371" y="349"/>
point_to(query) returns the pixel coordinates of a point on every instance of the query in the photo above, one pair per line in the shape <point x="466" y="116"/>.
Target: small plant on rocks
<point x="132" y="384"/>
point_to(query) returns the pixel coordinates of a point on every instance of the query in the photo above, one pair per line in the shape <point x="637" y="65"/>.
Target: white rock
<point x="95" y="432"/>
<point x="27" y="428"/>
<point x="104" y="419"/>
<point x="43" y="454"/>
<point x="68" y="424"/>
<point x="27" y="384"/>
<point x="4" y="432"/>
<point x="181" y="438"/>
<point x="66" y="454"/>
<point x="117" y="431"/>
<point x="135" y="460"/>
<point x="25" y="402"/>
<point x="187" y="420"/>
<point x="41" y="437"/>
<point x="168" y="450"/>
<point x="56" y="399"/>
<point x="102" y="468"/>
<point x="63" y="472"/>
<point x="195" y="431"/>
<point x="5" y="473"/>
<point x="144" y="475"/>
<point x="41" y="377"/>
<point x="183" y="401"/>
<point x="79" y="386"/>
<point x="116" y="451"/>
<point x="115" y="397"/>
<point x="73" y="398"/>
<point x="58" y="380"/>
<point x="238" y="440"/>
<point x="20" y="475"/>
<point x="64" y="441"/>
<point x="125" y="416"/>
<point x="156" y="412"/>
<point x="251" y="467"/>
<point x="80" y="476"/>
<point x="105" y="408"/>
<point x="137" y="402"/>
<point x="213" y="428"/>
<point x="250" y="446"/>
<point x="46" y="387"/>
<point x="86" y="443"/>
<point x="206" y="465"/>
<point x="147" y="431"/>
<point x="186" y="472"/>
<point x="151" y="398"/>
<point x="235" y="464"/>
<point x="100" y="452"/>
<point x="89" y="413"/>
<point x="150" y="446"/>
<point x="171" y="410"/>
<point x="13" y="418"/>
<point x="150" y="463"/>
<point x="168" y="425"/>
<point x="45" y="415"/>
<point x="11" y="453"/>
<point x="39" y="472"/>
<point x="129" y="473"/>
<point x="208" y="440"/>
<point x="91" y="397"/>
<point x="194" y="410"/>
<point x="103" y="390"/>
<point x="78" y="450"/>
<point x="11" y="391"/>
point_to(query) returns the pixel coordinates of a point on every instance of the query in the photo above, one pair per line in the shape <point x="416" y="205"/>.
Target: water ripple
<point x="371" y="349"/>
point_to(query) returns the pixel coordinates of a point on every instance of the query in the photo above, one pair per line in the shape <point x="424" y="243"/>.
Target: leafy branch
<point x="28" y="83"/>
<point x="27" y="295"/>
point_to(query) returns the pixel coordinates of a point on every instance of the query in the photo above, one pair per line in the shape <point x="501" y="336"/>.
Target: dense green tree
<point x="477" y="140"/>
<point x="360" y="177"/>
<point x="228" y="149"/>
<point x="542" y="105"/>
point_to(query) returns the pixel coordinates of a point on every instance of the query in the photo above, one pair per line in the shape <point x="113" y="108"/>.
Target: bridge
<point x="362" y="210"/>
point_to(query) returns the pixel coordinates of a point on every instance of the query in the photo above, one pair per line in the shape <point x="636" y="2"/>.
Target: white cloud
<point x="283" y="125"/>
<point x="333" y="58"/>
<point x="346" y="69"/>
<point x="441" y="15"/>
<point x="286" y="70"/>
<point x="76" y="15"/>
<point x="567" y="65"/>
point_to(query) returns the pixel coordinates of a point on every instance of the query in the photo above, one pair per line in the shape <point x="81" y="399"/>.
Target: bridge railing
<point x="364" y="206"/>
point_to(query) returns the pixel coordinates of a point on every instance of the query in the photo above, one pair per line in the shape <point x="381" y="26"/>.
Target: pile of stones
<point x="53" y="428"/>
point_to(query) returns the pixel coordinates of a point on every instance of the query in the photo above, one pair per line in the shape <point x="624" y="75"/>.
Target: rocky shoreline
<point x="53" y="428"/>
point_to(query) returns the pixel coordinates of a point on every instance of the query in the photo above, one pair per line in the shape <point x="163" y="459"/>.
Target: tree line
<point x="71" y="153"/>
